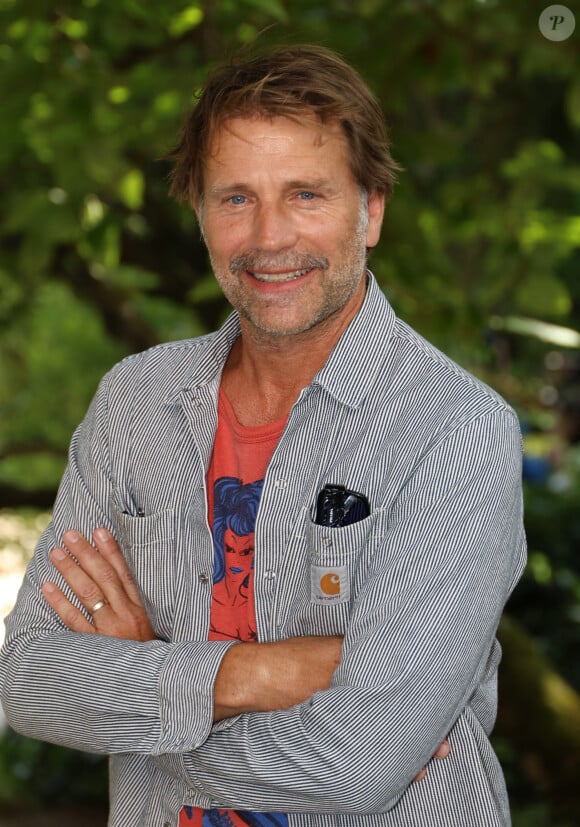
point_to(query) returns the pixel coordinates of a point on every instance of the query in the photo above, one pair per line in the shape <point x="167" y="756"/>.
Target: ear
<point x="376" y="210"/>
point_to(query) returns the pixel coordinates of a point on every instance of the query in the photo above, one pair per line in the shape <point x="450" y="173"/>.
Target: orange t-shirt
<point x="234" y="484"/>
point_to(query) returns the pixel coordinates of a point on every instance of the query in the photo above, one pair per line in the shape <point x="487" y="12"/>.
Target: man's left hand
<point x="440" y="753"/>
<point x="100" y="578"/>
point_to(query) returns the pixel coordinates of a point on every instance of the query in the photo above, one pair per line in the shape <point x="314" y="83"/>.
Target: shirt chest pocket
<point x="333" y="562"/>
<point x="148" y="545"/>
<point x="336" y="555"/>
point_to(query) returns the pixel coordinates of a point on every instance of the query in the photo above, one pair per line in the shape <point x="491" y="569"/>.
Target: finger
<point x="100" y="578"/>
<point x="82" y="585"/>
<point x="442" y="750"/>
<point x="70" y="615"/>
<point x="111" y="551"/>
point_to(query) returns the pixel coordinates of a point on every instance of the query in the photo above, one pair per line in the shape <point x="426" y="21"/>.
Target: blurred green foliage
<point x="480" y="250"/>
<point x="35" y="774"/>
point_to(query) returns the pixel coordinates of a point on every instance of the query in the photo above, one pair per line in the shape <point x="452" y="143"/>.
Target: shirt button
<point x="281" y="483"/>
<point x="203" y="578"/>
<point x="270" y="574"/>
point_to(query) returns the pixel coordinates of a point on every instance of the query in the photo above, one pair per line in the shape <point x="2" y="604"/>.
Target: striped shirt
<point x="423" y="581"/>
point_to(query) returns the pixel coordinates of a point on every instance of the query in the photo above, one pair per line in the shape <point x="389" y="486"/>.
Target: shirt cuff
<point x="186" y="693"/>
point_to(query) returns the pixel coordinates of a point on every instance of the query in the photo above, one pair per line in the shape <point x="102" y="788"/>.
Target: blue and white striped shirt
<point x="423" y="581"/>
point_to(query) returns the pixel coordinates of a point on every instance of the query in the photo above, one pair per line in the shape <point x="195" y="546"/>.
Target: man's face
<point x="285" y="225"/>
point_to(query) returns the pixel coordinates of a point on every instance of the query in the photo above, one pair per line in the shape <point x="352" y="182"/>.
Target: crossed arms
<point x="252" y="677"/>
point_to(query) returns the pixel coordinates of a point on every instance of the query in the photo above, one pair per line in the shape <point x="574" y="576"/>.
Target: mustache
<point x="253" y="261"/>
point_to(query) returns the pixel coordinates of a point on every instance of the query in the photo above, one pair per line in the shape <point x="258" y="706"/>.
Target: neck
<point x="265" y="373"/>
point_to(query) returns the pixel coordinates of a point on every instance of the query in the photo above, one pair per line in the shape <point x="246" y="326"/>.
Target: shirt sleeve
<point x="419" y="639"/>
<point x="92" y="692"/>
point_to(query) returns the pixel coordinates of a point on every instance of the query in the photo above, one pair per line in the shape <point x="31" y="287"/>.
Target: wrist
<point x="238" y="681"/>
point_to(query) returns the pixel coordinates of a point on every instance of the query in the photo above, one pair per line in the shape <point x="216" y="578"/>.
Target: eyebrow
<point x="227" y="188"/>
<point x="309" y="184"/>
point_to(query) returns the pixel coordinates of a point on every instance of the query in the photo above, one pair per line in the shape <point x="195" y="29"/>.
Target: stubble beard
<point x="337" y="293"/>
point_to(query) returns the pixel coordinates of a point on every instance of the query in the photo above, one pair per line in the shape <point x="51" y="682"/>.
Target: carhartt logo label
<point x="329" y="585"/>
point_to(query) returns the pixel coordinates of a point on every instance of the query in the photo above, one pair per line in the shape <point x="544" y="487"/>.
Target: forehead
<point x="236" y="540"/>
<point x="281" y="138"/>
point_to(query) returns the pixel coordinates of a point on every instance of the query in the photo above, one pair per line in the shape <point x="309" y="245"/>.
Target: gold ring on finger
<point x="98" y="606"/>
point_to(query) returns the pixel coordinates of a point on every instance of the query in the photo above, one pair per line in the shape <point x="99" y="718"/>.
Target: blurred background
<point x="480" y="253"/>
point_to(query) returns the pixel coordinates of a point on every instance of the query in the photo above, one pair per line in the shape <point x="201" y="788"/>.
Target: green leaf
<point x="132" y="189"/>
<point x="187" y="19"/>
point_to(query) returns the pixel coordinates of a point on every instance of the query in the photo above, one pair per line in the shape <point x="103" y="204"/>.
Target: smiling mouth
<point x="277" y="269"/>
<point x="278" y="278"/>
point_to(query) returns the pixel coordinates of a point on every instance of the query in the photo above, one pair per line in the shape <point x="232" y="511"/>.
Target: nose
<point x="274" y="228"/>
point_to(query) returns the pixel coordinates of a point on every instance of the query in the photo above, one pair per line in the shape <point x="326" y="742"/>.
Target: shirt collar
<point x="199" y="362"/>
<point x="352" y="368"/>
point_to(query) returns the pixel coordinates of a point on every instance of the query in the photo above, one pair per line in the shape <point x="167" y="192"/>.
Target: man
<point x="380" y="488"/>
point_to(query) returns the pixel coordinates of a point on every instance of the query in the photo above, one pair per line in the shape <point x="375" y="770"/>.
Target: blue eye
<point x="307" y="195"/>
<point x="238" y="199"/>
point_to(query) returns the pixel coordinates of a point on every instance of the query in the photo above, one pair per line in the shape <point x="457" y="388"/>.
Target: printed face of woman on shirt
<point x="239" y="556"/>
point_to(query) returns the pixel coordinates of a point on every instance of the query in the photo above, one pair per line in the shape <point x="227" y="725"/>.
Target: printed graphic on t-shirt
<point x="232" y="818"/>
<point x="235" y="506"/>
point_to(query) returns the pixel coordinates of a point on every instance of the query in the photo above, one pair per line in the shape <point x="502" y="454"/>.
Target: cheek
<point x="225" y="243"/>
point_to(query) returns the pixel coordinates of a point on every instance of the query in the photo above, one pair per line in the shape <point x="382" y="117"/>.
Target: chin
<point x="276" y="326"/>
<point x="284" y="330"/>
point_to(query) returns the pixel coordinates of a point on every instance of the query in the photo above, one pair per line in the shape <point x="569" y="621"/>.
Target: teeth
<point x="275" y="278"/>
